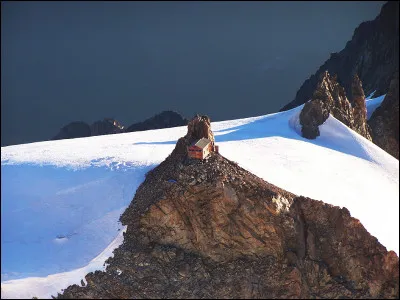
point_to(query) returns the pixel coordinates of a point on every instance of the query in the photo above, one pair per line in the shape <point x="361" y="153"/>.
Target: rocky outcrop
<point x="73" y="130"/>
<point x="165" y="119"/>
<point x="372" y="53"/>
<point x="199" y="127"/>
<point x="330" y="97"/>
<point x="360" y="124"/>
<point x="384" y="122"/>
<point x="313" y="114"/>
<point x="210" y="229"/>
<point x="107" y="126"/>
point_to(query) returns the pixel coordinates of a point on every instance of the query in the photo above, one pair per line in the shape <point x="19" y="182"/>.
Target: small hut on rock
<point x="200" y="148"/>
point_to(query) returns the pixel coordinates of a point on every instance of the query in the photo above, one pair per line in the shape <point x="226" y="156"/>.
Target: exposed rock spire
<point x="199" y="127"/>
<point x="359" y="108"/>
<point x="330" y="97"/>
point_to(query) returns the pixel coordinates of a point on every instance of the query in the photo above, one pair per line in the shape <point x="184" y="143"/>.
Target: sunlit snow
<point x="61" y="200"/>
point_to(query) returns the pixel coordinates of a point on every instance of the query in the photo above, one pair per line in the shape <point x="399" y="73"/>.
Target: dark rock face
<point x="384" y="122"/>
<point x="218" y="231"/>
<point x="330" y="97"/>
<point x="73" y="130"/>
<point x="372" y="53"/>
<point x="313" y="114"/>
<point x="107" y="126"/>
<point x="165" y="119"/>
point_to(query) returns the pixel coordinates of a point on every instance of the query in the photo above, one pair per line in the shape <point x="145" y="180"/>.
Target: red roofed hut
<point x="200" y="149"/>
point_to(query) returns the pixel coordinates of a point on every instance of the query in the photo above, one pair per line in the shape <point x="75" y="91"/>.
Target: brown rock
<point x="313" y="114"/>
<point x="359" y="109"/>
<point x="330" y="97"/>
<point x="199" y="127"/>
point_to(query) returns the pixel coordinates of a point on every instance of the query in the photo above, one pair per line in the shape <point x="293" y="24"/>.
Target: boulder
<point x="313" y="114"/>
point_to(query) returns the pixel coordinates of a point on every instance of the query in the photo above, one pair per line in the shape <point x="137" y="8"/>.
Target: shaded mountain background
<point x="67" y="61"/>
<point x="165" y="119"/>
<point x="372" y="54"/>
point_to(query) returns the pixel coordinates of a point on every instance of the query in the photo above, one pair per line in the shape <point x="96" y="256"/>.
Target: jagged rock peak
<point x="359" y="108"/>
<point x="106" y="126"/>
<point x="333" y="95"/>
<point x="330" y="97"/>
<point x="329" y="91"/>
<point x="73" y="130"/>
<point x="198" y="127"/>
<point x="165" y="119"/>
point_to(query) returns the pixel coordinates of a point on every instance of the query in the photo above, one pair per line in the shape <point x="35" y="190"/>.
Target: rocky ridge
<point x="210" y="229"/>
<point x="73" y="130"/>
<point x="107" y="126"/>
<point x="330" y="97"/>
<point x="165" y="119"/>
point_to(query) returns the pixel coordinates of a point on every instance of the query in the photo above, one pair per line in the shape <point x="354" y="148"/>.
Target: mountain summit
<point x="210" y="229"/>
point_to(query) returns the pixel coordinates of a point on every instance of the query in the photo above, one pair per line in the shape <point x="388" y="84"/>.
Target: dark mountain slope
<point x="384" y="122"/>
<point x="372" y="54"/>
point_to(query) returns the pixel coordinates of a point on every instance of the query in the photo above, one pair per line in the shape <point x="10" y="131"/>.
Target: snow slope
<point x="61" y="200"/>
<point x="373" y="104"/>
